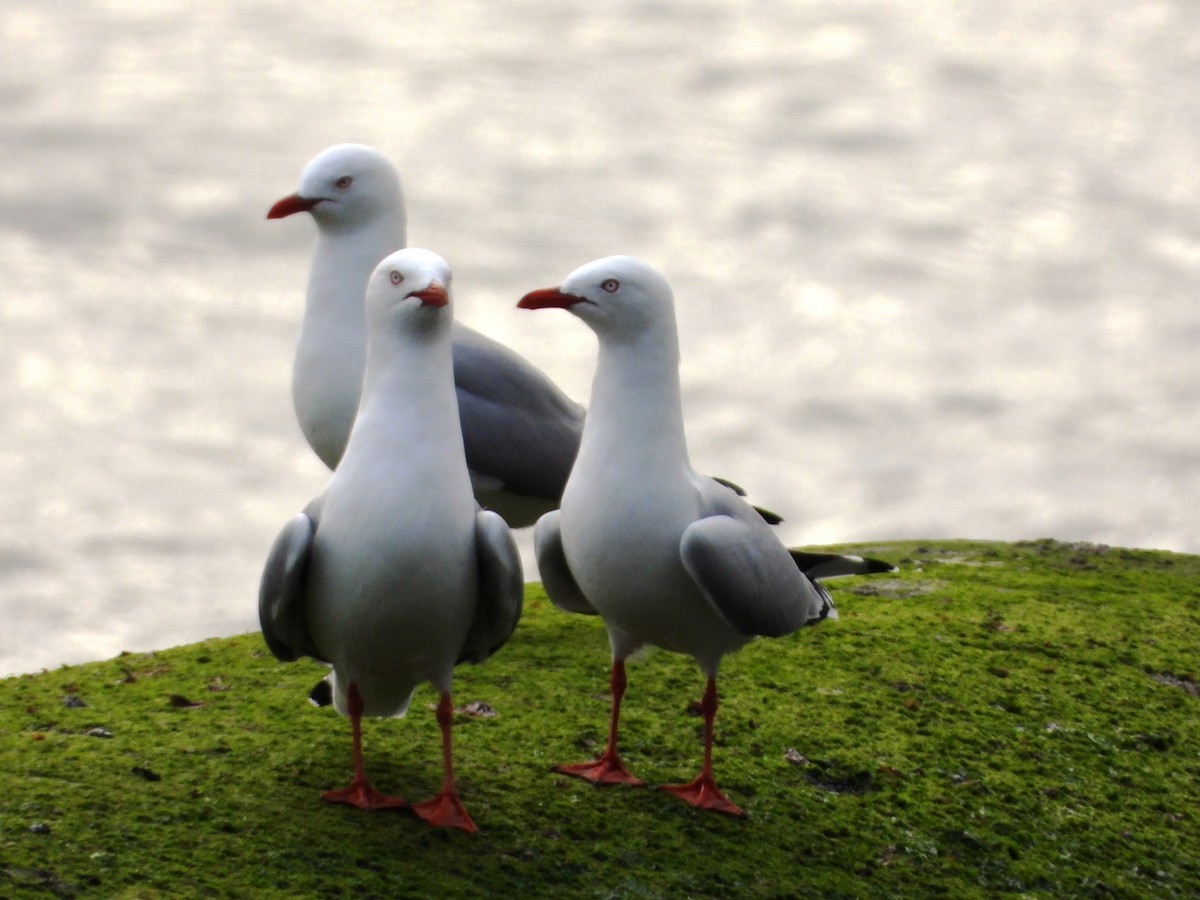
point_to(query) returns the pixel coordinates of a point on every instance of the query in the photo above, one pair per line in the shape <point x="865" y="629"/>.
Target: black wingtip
<point x="769" y="517"/>
<point x="725" y="482"/>
<point x="835" y="565"/>
<point x="877" y="566"/>
<point x="321" y="694"/>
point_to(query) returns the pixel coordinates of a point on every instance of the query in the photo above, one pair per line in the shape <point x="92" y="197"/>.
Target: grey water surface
<point x="937" y="263"/>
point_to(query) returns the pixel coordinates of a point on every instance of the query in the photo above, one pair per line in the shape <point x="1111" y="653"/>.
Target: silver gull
<point x="667" y="556"/>
<point x="394" y="575"/>
<point x="520" y="431"/>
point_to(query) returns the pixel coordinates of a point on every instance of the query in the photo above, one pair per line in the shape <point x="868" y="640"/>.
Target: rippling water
<point x="937" y="264"/>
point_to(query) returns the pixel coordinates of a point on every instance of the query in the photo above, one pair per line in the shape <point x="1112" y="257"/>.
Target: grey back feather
<point x="518" y="427"/>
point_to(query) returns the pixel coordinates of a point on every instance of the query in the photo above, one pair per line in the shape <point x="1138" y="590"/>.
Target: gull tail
<point x="834" y="565"/>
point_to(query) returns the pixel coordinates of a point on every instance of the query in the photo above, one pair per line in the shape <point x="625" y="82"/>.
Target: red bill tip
<point x="548" y="298"/>
<point x="434" y="295"/>
<point x="293" y="203"/>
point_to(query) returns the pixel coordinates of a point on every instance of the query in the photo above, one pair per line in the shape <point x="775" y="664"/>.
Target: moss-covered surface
<point x="995" y="718"/>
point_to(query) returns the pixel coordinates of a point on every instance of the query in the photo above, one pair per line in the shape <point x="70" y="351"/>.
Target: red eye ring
<point x="344" y="182"/>
<point x="610" y="285"/>
<point x="396" y="277"/>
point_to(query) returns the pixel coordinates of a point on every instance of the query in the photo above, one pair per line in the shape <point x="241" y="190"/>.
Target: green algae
<point x="993" y="719"/>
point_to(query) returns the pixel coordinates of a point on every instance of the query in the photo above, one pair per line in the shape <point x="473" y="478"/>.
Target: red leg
<point x="703" y="792"/>
<point x="360" y="793"/>
<point x="608" y="769"/>
<point x="445" y="810"/>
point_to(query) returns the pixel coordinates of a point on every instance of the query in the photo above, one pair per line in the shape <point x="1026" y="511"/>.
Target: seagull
<point x="521" y="433"/>
<point x="394" y="575"/>
<point x="668" y="557"/>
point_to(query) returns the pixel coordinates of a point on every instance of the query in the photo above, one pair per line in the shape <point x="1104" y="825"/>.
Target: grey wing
<point x="519" y="429"/>
<point x="501" y="588"/>
<point x="561" y="587"/>
<point x="749" y="578"/>
<point x="281" y="592"/>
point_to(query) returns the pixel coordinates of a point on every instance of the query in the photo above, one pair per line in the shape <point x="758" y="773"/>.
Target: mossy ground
<point x="994" y="718"/>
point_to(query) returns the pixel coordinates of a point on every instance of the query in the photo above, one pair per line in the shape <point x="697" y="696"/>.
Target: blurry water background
<point x="936" y="262"/>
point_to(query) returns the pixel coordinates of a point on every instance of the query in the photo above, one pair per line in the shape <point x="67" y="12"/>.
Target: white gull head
<point x="405" y="290"/>
<point x="345" y="187"/>
<point x="618" y="297"/>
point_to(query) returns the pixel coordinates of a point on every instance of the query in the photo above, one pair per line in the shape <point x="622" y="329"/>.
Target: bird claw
<point x="603" y="771"/>
<point x="445" y="811"/>
<point x="703" y="793"/>
<point x="363" y="795"/>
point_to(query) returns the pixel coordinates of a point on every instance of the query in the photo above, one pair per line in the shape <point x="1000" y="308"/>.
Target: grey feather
<point x="557" y="579"/>
<point x="281" y="592"/>
<point x="501" y="589"/>
<point x="518" y="427"/>
<point x="749" y="578"/>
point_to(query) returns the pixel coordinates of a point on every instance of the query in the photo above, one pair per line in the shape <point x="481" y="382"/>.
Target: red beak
<point x="548" y="298"/>
<point x="293" y="203"/>
<point x="434" y="295"/>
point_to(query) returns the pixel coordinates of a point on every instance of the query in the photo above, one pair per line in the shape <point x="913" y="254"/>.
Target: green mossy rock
<point x="995" y="718"/>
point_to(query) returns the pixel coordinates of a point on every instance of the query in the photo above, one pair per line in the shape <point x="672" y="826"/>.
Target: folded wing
<point x="749" y="578"/>
<point x="281" y="592"/>
<point x="501" y="588"/>
<point x="557" y="579"/>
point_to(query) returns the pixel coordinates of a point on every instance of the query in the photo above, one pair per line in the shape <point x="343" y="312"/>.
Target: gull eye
<point x="396" y="277"/>
<point x="610" y="285"/>
<point x="344" y="182"/>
